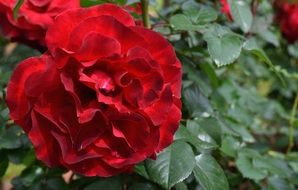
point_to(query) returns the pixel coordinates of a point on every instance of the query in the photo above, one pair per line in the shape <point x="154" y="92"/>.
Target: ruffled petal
<point x="159" y="111"/>
<point x="17" y="100"/>
<point x="168" y="127"/>
<point x="43" y="141"/>
<point x="58" y="34"/>
<point x="96" y="46"/>
<point x="107" y="26"/>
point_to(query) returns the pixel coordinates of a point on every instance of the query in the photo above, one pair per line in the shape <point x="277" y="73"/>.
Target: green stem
<point x="145" y="13"/>
<point x="291" y="124"/>
<point x="16" y="8"/>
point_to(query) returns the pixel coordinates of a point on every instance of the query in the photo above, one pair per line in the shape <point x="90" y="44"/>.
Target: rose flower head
<point x="287" y="18"/>
<point x="104" y="97"/>
<point x="32" y="20"/>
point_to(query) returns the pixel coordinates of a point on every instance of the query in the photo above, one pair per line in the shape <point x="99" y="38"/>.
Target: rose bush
<point x="104" y="97"/>
<point x="33" y="19"/>
<point x="287" y="18"/>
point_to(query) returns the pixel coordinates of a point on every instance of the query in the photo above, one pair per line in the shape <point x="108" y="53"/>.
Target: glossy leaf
<point x="223" y="49"/>
<point x="241" y="13"/>
<point x="209" y="173"/>
<point x="172" y="166"/>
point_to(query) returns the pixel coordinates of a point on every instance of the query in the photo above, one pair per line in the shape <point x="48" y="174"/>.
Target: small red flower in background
<point x="136" y="11"/>
<point x="34" y="18"/>
<point x="287" y="17"/>
<point x="105" y="96"/>
<point x="225" y="9"/>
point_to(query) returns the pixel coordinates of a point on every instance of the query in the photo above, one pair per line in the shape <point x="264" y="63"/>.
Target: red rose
<point x="287" y="17"/>
<point x="225" y="9"/>
<point x="104" y="97"/>
<point x="34" y="18"/>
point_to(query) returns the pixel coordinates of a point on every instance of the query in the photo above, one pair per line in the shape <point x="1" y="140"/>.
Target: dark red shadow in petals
<point x="43" y="141"/>
<point x="132" y="93"/>
<point x="97" y="167"/>
<point x="131" y="127"/>
<point x="69" y="153"/>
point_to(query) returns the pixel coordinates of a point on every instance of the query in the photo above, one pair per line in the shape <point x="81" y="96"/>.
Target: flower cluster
<point x="287" y="18"/>
<point x="104" y="97"/>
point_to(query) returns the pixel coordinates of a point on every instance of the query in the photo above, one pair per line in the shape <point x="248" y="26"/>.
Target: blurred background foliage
<point x="240" y="95"/>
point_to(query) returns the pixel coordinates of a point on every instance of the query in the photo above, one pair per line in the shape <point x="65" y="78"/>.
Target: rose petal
<point x="133" y="128"/>
<point x="16" y="98"/>
<point x="107" y="26"/>
<point x="39" y="3"/>
<point x="159" y="111"/>
<point x="96" y="46"/>
<point x="162" y="51"/>
<point x="58" y="35"/>
<point x="96" y="167"/>
<point x="43" y="141"/>
<point x="168" y="127"/>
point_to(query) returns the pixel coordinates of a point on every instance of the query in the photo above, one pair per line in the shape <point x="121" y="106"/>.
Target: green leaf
<point x="276" y="183"/>
<point x="29" y="176"/>
<point x="17" y="8"/>
<point x="230" y="146"/>
<point x="142" y="186"/>
<point x="182" y="22"/>
<point x="240" y="130"/>
<point x="88" y="3"/>
<point x="172" y="166"/>
<point x="181" y="186"/>
<point x="224" y="49"/>
<point x="141" y="170"/>
<point x="210" y="71"/>
<point x="112" y="183"/>
<point x="198" y="13"/>
<point x="195" y="76"/>
<point x="9" y="138"/>
<point x="196" y="102"/>
<point x="209" y="173"/>
<point x="3" y="163"/>
<point x="252" y="46"/>
<point x="241" y="13"/>
<point x="211" y="126"/>
<point x="293" y="50"/>
<point x="184" y="134"/>
<point x="201" y="134"/>
<point x="206" y="14"/>
<point x="55" y="183"/>
<point x="273" y="165"/>
<point x="270" y="37"/>
<point x="245" y="163"/>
